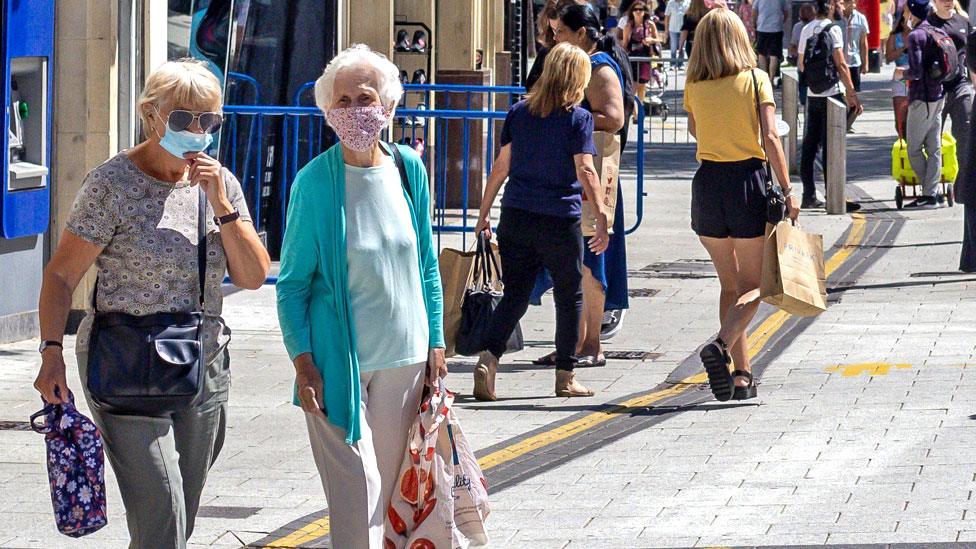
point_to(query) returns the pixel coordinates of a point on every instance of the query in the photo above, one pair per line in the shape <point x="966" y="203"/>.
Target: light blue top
<point x="857" y="26"/>
<point x="314" y="301"/>
<point x="769" y="15"/>
<point x="386" y="300"/>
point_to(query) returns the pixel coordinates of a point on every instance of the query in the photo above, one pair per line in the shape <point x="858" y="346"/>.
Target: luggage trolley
<point x="901" y="171"/>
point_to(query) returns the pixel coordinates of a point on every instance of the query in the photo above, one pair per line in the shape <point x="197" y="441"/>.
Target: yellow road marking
<point x="866" y="368"/>
<point x="311" y="532"/>
<point x="756" y="342"/>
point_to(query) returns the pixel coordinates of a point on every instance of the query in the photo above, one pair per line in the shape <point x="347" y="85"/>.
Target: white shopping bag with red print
<point x="441" y="498"/>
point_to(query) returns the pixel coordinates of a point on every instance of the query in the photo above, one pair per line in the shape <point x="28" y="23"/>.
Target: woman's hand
<point x="51" y="381"/>
<point x="308" y="382"/>
<point x="600" y="240"/>
<point x="484" y="226"/>
<point x="436" y="365"/>
<point x="792" y="207"/>
<point x="206" y="172"/>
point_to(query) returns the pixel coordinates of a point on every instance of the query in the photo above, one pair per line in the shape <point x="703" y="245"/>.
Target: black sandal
<point x="715" y="358"/>
<point x="747" y="392"/>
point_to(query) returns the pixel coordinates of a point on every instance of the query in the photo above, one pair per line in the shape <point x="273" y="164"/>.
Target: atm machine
<point x="27" y="55"/>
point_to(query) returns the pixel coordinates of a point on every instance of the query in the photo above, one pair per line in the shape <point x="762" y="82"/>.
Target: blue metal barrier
<point x="306" y="135"/>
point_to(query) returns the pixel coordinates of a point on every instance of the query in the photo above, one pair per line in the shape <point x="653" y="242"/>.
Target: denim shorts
<point x="728" y="199"/>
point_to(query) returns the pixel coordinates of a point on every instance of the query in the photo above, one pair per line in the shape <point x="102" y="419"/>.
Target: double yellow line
<point x="756" y="342"/>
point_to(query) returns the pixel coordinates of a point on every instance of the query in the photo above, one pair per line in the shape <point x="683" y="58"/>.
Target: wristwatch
<point x="229" y="218"/>
<point x="49" y="343"/>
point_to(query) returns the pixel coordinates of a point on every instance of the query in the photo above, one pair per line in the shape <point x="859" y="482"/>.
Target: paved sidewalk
<point x="862" y="433"/>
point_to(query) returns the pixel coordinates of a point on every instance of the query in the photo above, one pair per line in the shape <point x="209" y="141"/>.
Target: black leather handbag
<point x="154" y="364"/>
<point x="479" y="305"/>
<point x="775" y="201"/>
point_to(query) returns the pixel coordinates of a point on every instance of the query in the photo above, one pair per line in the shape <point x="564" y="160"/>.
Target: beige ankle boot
<point x="567" y="386"/>
<point x="484" y="377"/>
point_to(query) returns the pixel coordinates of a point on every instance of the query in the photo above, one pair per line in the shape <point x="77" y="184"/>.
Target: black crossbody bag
<point x="775" y="201"/>
<point x="154" y="364"/>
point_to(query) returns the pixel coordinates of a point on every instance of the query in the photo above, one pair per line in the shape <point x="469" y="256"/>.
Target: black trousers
<point x="967" y="259"/>
<point x="527" y="242"/>
<point x="856" y="78"/>
<point x="814" y="139"/>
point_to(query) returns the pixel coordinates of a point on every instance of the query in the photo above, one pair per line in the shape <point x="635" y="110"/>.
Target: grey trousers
<point x="359" y="479"/>
<point x="161" y="463"/>
<point x="958" y="108"/>
<point x="924" y="129"/>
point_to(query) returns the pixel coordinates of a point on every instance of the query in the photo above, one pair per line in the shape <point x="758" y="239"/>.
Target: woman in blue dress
<point x="604" y="276"/>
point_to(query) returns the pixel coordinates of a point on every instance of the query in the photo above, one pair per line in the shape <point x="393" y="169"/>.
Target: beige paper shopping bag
<point x="607" y="164"/>
<point x="793" y="270"/>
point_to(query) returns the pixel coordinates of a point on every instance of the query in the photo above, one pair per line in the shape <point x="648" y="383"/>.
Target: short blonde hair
<point x="389" y="88"/>
<point x="187" y="82"/>
<point x="563" y="82"/>
<point x="721" y="47"/>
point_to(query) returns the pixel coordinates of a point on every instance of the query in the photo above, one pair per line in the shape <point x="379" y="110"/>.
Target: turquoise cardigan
<point x="313" y="286"/>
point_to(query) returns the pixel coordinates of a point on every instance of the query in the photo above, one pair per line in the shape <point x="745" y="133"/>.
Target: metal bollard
<point x="835" y="175"/>
<point x="791" y="114"/>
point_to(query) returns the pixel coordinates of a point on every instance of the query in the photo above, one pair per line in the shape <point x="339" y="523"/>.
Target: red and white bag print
<point x="425" y="507"/>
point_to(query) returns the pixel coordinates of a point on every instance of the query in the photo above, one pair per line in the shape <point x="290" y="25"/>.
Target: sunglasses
<point x="180" y="120"/>
<point x="635" y="10"/>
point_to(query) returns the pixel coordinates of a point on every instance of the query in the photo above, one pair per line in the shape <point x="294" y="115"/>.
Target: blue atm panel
<point x="27" y="46"/>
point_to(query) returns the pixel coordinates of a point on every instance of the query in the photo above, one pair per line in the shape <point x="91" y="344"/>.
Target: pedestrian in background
<point x="896" y="51"/>
<point x="807" y="13"/>
<point x="958" y="88"/>
<point x="856" y="42"/>
<point x="823" y="40"/>
<point x="545" y="25"/>
<point x="136" y="219"/>
<point x="746" y="13"/>
<point x="539" y="225"/>
<point x="641" y="40"/>
<point x="769" y="20"/>
<point x="696" y="10"/>
<point x="926" y="98"/>
<point x="359" y="296"/>
<point x="674" y="18"/>
<point x="728" y="194"/>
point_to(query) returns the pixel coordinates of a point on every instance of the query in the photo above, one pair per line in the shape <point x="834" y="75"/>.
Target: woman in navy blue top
<point x="547" y="156"/>
<point x="604" y="276"/>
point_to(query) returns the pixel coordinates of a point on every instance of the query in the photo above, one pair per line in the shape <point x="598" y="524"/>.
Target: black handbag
<point x="154" y="364"/>
<point x="775" y="201"/>
<point x="479" y="305"/>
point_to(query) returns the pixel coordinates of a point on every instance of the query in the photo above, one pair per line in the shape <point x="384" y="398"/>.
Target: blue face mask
<point x="180" y="143"/>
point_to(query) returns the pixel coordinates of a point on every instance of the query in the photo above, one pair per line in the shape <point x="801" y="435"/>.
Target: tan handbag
<point x="607" y="164"/>
<point x="793" y="270"/>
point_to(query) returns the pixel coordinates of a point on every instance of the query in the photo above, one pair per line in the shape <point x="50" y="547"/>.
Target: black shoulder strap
<point x="202" y="242"/>
<point x="402" y="167"/>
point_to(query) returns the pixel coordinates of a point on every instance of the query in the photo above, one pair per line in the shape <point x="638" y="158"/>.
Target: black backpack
<point x="939" y="57"/>
<point x="819" y="69"/>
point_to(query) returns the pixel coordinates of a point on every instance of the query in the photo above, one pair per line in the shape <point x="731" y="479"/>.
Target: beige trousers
<point x="359" y="479"/>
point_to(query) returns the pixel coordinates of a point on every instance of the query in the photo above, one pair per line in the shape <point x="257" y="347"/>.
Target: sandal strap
<point x="742" y="373"/>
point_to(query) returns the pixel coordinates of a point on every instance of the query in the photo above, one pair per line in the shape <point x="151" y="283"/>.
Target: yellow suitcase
<point x="904" y="175"/>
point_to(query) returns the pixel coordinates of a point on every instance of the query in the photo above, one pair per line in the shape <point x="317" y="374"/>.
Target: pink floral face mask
<point x="358" y="127"/>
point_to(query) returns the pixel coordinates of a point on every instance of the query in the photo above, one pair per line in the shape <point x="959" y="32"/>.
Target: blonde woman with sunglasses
<point x="136" y="219"/>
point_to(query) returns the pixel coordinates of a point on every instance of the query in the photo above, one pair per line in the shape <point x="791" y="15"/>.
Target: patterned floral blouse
<point x="148" y="229"/>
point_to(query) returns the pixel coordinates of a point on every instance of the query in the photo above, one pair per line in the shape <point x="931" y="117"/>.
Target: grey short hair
<point x="390" y="89"/>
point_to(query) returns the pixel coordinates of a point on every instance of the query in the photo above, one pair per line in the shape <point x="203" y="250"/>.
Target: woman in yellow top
<point x="728" y="196"/>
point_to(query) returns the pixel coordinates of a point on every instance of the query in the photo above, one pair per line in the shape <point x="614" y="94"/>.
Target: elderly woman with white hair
<point x="138" y="219"/>
<point x="359" y="295"/>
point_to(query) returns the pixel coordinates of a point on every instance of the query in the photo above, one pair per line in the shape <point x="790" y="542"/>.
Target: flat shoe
<point x="591" y="361"/>
<point x="548" y="360"/>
